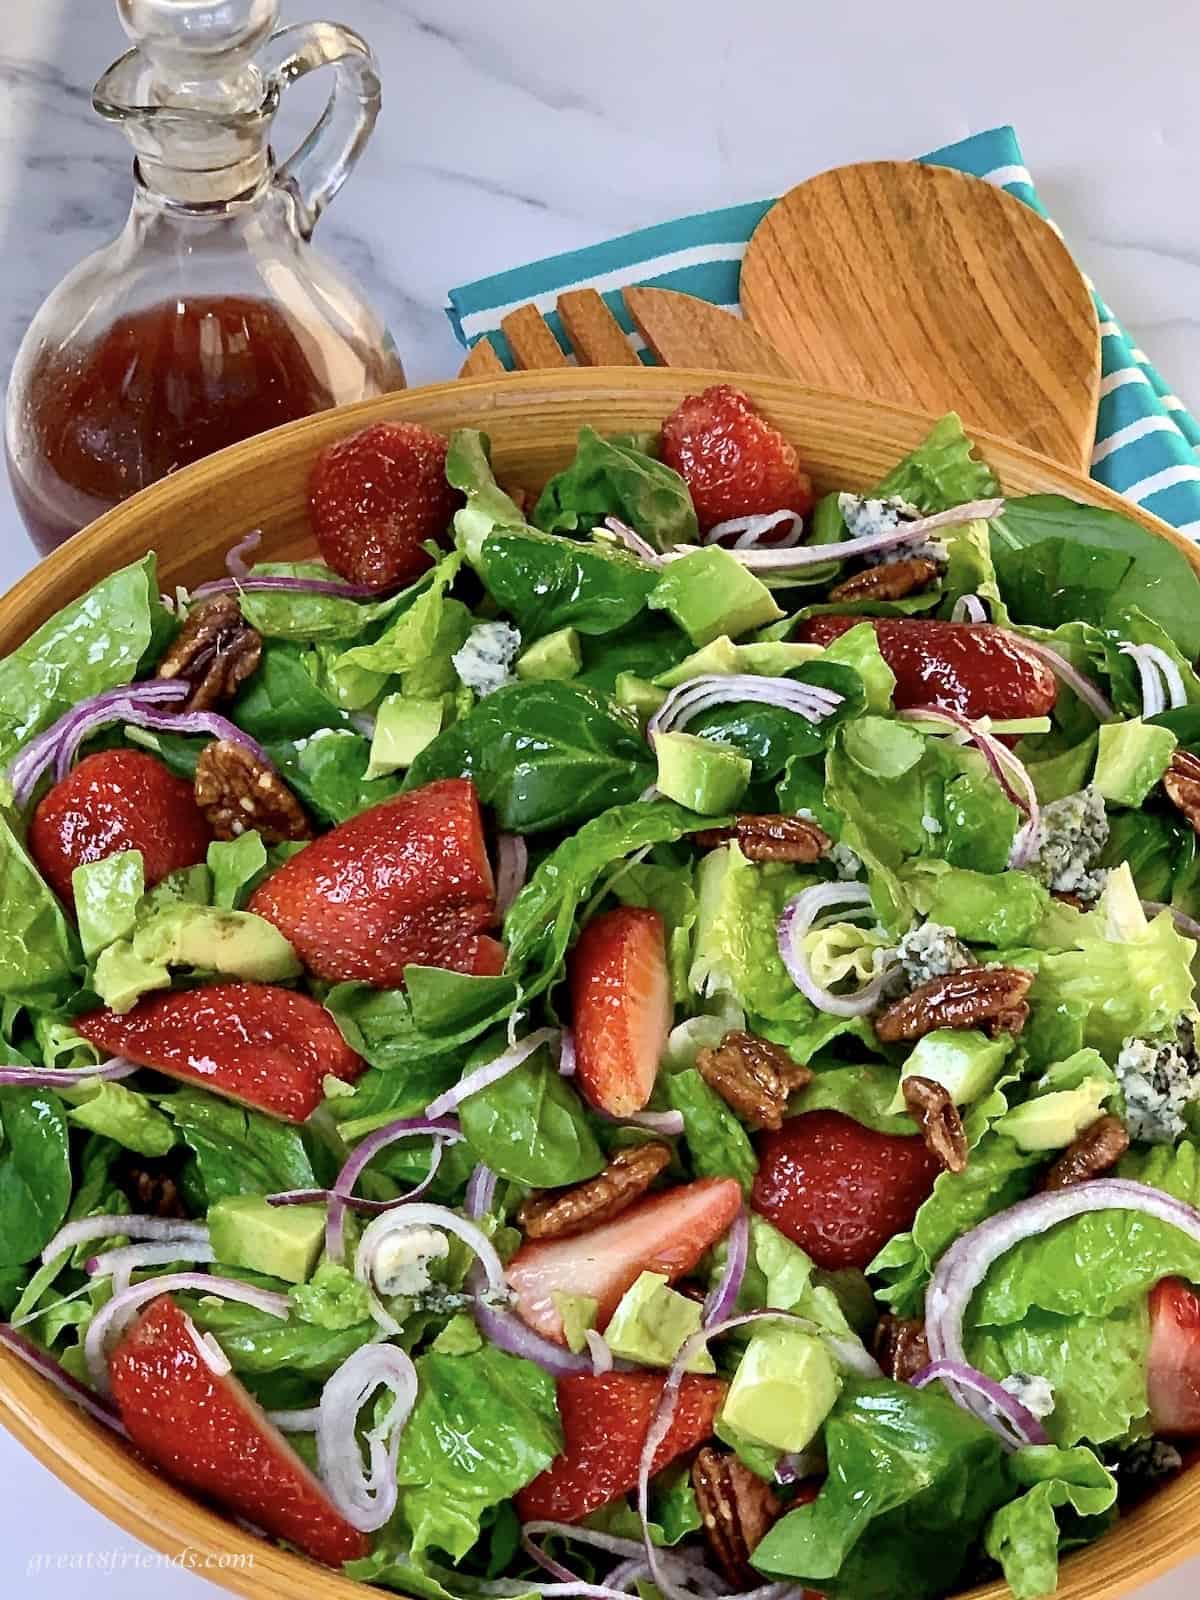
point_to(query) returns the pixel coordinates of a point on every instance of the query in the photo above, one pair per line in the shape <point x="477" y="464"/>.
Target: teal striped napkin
<point x="1146" y="438"/>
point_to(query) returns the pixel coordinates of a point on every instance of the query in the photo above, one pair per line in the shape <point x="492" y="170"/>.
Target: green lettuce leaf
<point x="237" y="867"/>
<point x="772" y="737"/>
<point x="864" y="1093"/>
<point x="35" y="1172"/>
<point x="260" y="1346"/>
<point x="469" y="469"/>
<point x="1023" y="1535"/>
<point x="546" y="582"/>
<point x="307" y="617"/>
<point x="328" y="772"/>
<point x="38" y="949"/>
<point x="107" y="894"/>
<point x="530" y="1125"/>
<point x="332" y="1299"/>
<point x="612" y="478"/>
<point x="912" y="1482"/>
<point x="941" y="472"/>
<point x="718" y="1144"/>
<point x="283" y="700"/>
<point x="437" y="1014"/>
<point x="484" y="1425"/>
<point x="238" y="1151"/>
<point x="412" y="630"/>
<point x="122" y="1114"/>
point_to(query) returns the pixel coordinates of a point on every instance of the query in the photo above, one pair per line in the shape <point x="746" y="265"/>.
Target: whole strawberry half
<point x="620" y="1007"/>
<point x="376" y="497"/>
<point x="733" y="461"/>
<point x="973" y="668"/>
<point x="839" y="1190"/>
<point x="665" y="1233"/>
<point x="605" y="1420"/>
<point x="256" y="1043"/>
<point x="203" y="1430"/>
<point x="408" y="881"/>
<point x="117" y="800"/>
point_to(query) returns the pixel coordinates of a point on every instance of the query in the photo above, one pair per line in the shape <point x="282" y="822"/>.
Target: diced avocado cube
<point x="652" y="1322"/>
<point x="785" y="1386"/>
<point x="704" y="776"/>
<point x="722" y="658"/>
<point x="639" y="694"/>
<point x="718" y="658"/>
<point x="1053" y="1121"/>
<point x="964" y="1062"/>
<point x="282" y="1241"/>
<point x="404" y="725"/>
<point x="233" y="942"/>
<point x="557" y="655"/>
<point x="709" y="592"/>
<point x="121" y="978"/>
<point x="578" y="1313"/>
<point x="1131" y="759"/>
<point x="775" y="658"/>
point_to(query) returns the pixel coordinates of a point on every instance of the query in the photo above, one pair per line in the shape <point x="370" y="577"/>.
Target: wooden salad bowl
<point x="191" y="519"/>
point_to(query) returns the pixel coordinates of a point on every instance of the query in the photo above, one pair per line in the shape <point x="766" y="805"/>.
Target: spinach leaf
<point x="282" y="700"/>
<point x="611" y="478"/>
<point x="717" y="1143"/>
<point x="238" y="1151"/>
<point x="530" y="1126"/>
<point x="543" y="755"/>
<point x="328" y="772"/>
<point x="411" y="632"/>
<point x="941" y="472"/>
<point x="645" y="647"/>
<point x="540" y="921"/>
<point x="38" y="949"/>
<point x="772" y="737"/>
<point x="438" y="1013"/>
<point x="546" y="582"/>
<point x="35" y="1172"/>
<point x="484" y="1425"/>
<point x="1061" y="562"/>
<point x="913" y="1480"/>
<point x="123" y="1115"/>
<point x="95" y="643"/>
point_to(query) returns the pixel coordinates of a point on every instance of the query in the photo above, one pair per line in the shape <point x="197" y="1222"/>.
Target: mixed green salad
<point x="655" y="1059"/>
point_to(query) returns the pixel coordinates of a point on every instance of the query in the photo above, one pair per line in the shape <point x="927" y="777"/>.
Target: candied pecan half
<point x="753" y="1076"/>
<point x="968" y="998"/>
<point x="1181" y="782"/>
<point x="890" y="581"/>
<point x="931" y="1108"/>
<point x="767" y="838"/>
<point x="559" y="1213"/>
<point x="1097" y="1150"/>
<point x="736" y="1509"/>
<point x="900" y="1347"/>
<point x="236" y="791"/>
<point x="215" y="652"/>
<point x="149" y="1186"/>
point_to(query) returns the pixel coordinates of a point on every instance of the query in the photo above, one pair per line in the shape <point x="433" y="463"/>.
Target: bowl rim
<point x="96" y="1463"/>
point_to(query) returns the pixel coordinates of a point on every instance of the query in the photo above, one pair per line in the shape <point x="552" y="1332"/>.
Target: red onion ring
<point x="112" y="705"/>
<point x="112" y="1226"/>
<point x="602" y="1356"/>
<point x="120" y="1264"/>
<point x="235" y="564"/>
<point x="750" y="530"/>
<point x="512" y="865"/>
<point x="366" y="1495"/>
<point x="567" y="1061"/>
<point x="442" y="1129"/>
<point x="642" y="548"/>
<point x="723" y="1297"/>
<point x="1016" y="1424"/>
<point x="41" y="1362"/>
<point x="282" y="583"/>
<point x="1183" y="922"/>
<point x="423" y="1215"/>
<point x="690" y="1566"/>
<point x="689" y="700"/>
<point x="969" y="608"/>
<point x="1082" y="688"/>
<point x="16" y="1075"/>
<point x="111" y="1316"/>
<point x="962" y="1269"/>
<point x="795" y="921"/>
<point x="1161" y="680"/>
<point x="781" y="561"/>
<point x="1004" y="766"/>
<point x="490" y="1072"/>
<point x="481" y="1192"/>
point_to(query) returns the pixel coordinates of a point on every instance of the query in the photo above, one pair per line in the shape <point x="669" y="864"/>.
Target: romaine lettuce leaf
<point x="38" y="949"/>
<point x="469" y="469"/>
<point x="941" y="472"/>
<point x="612" y="478"/>
<point x="1023" y="1536"/>
<point x="309" y="617"/>
<point x="107" y="894"/>
<point x="411" y="630"/>
<point x="718" y="1144"/>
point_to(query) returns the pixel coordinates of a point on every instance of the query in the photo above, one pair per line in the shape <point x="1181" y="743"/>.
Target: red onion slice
<point x="969" y="608"/>
<point x="795" y="921"/>
<point x="782" y="561"/>
<point x="507" y="1332"/>
<point x="512" y="865"/>
<point x="1080" y="686"/>
<point x="111" y="1317"/>
<point x="365" y="1494"/>
<point x="723" y="1297"/>
<point x="120" y="1264"/>
<point x="285" y="583"/>
<point x="749" y="531"/>
<point x="688" y="700"/>
<point x="112" y="1226"/>
<point x="962" y="1269"/>
<point x="235" y="559"/>
<point x="481" y="1192"/>
<point x="41" y="1362"/>
<point x="442" y="1129"/>
<point x="297" y="1421"/>
<point x="112" y="705"/>
<point x="689" y="1566"/>
<point x="567" y="1061"/>
<point x="17" y="1075"/>
<point x="1161" y="680"/>
<point x="490" y="1072"/>
<point x="1183" y="922"/>
<point x="633" y="541"/>
<point x="182" y="722"/>
<point x="1016" y="1424"/>
<point x="602" y="1356"/>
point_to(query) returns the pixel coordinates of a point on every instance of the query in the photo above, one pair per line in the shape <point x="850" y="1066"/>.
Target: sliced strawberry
<point x="263" y="1046"/>
<point x="377" y="497"/>
<point x="407" y="882"/>
<point x="665" y="1233"/>
<point x="604" y="1422"/>
<point x="733" y="461"/>
<point x="1173" y="1371"/>
<point x="970" y="667"/>
<point x="117" y="800"/>
<point x="207" y="1432"/>
<point x="839" y="1190"/>
<point x="483" y="957"/>
<point x="621" y="1008"/>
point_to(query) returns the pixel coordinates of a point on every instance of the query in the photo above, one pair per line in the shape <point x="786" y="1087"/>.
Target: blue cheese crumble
<point x="402" y="1265"/>
<point x="865" y="516"/>
<point x="1036" y="1394"/>
<point x="485" y="661"/>
<point x="1160" y="1079"/>
<point x="931" y="950"/>
<point x="1071" y="835"/>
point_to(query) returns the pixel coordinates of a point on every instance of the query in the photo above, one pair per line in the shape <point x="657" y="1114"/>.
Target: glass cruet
<point x="211" y="317"/>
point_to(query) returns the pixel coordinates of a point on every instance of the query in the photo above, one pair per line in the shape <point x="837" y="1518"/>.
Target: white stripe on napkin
<point x="1118" y="379"/>
<point x="1130" y="434"/>
<point x="1166" y="479"/>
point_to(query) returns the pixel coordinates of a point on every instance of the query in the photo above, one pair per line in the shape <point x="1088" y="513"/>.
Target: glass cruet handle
<point x="317" y="170"/>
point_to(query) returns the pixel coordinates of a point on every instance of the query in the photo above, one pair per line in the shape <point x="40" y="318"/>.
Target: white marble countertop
<point x="513" y="131"/>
